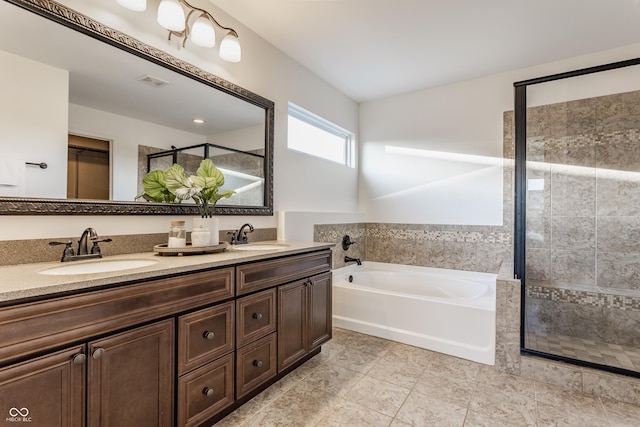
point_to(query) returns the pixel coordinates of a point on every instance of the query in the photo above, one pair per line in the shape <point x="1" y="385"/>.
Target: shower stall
<point x="578" y="216"/>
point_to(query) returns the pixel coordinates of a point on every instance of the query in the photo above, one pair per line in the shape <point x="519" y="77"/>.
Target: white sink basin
<point x="97" y="266"/>
<point x="259" y="247"/>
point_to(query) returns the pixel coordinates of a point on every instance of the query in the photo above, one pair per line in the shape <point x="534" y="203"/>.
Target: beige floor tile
<point x="453" y="387"/>
<point x="298" y="407"/>
<point x="622" y="414"/>
<point x="356" y="360"/>
<point x="571" y="401"/>
<point x="490" y="377"/>
<point x="378" y="395"/>
<point x="565" y="416"/>
<point x="353" y="415"/>
<point x="332" y="379"/>
<point x="504" y="405"/>
<point x="475" y="419"/>
<point x="359" y="380"/>
<point x="420" y="410"/>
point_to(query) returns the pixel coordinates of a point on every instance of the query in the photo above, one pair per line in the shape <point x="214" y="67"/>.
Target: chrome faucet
<point x="239" y="237"/>
<point x="88" y="235"/>
<point x="83" y="243"/>
<point x="349" y="259"/>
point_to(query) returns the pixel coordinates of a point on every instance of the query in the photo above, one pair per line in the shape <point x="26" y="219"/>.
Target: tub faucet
<point x="349" y="259"/>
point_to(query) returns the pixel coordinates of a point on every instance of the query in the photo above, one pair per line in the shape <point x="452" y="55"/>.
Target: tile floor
<point x="359" y="380"/>
<point x="587" y="350"/>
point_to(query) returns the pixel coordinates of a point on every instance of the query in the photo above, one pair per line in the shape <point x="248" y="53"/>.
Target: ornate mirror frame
<point x="83" y="24"/>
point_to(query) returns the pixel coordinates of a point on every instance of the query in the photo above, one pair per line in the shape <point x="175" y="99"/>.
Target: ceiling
<point x="371" y="49"/>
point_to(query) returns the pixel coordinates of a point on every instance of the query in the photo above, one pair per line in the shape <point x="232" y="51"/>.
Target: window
<point x="315" y="136"/>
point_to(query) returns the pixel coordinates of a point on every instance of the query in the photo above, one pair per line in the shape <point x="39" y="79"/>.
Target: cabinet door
<point x="292" y="323"/>
<point x="320" y="313"/>
<point x="47" y="391"/>
<point x="131" y="378"/>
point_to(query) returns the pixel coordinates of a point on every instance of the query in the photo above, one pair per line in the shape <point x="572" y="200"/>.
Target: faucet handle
<point x="346" y="242"/>
<point x="95" y="249"/>
<point x="68" y="250"/>
<point x="233" y="236"/>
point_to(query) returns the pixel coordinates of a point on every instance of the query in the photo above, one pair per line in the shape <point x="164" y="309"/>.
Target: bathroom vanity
<point x="183" y="342"/>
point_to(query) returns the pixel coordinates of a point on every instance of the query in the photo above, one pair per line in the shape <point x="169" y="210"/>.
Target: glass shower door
<point x="582" y="219"/>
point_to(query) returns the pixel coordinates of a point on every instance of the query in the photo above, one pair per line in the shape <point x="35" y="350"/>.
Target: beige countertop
<point x="25" y="281"/>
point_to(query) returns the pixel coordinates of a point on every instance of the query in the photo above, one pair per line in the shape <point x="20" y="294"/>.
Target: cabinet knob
<point x="97" y="353"/>
<point x="257" y="316"/>
<point x="208" y="391"/>
<point x="257" y="363"/>
<point x="209" y="335"/>
<point x="79" y="359"/>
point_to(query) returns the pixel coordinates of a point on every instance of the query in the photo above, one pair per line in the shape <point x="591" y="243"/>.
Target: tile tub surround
<point x="464" y="247"/>
<point x="359" y="380"/>
<point x="14" y="252"/>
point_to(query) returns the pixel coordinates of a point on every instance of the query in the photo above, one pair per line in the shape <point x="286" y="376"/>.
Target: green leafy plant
<point x="173" y="186"/>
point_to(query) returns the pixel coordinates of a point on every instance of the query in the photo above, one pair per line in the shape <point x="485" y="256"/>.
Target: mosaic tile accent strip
<point x="494" y="235"/>
<point x="593" y="299"/>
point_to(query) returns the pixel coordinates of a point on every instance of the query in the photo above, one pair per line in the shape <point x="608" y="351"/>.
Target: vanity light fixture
<point x="201" y="30"/>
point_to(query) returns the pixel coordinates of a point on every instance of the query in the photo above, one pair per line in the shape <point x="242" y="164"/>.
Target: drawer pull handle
<point x="97" y="353"/>
<point x="208" y="391"/>
<point x="257" y="316"/>
<point x="209" y="335"/>
<point x="79" y="359"/>
<point x="257" y="363"/>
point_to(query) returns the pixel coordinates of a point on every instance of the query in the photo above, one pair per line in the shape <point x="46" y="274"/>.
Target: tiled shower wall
<point x="583" y="221"/>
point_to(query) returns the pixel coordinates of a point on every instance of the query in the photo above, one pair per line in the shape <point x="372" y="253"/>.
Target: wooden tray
<point x="190" y="250"/>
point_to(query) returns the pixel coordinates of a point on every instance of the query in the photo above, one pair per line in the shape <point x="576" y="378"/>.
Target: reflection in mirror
<point x="60" y="82"/>
<point x="243" y="170"/>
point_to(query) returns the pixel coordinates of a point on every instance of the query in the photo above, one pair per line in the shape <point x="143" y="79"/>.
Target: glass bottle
<point x="177" y="235"/>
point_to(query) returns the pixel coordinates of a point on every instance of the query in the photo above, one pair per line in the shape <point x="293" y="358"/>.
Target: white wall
<point x="298" y="180"/>
<point x="432" y="184"/>
<point x="33" y="123"/>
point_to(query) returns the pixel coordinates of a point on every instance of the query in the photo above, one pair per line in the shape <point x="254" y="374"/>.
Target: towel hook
<point x="42" y="165"/>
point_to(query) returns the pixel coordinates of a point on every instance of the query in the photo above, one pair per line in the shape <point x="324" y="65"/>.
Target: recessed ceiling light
<point x="198" y="121"/>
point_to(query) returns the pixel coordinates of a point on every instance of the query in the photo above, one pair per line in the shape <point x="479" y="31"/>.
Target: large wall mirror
<point x="81" y="97"/>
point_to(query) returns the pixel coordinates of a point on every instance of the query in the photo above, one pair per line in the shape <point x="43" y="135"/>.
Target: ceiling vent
<point x="152" y="81"/>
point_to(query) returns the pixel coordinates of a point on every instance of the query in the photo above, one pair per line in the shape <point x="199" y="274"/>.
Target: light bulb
<point x="135" y="5"/>
<point x="202" y="32"/>
<point x="230" y="49"/>
<point x="171" y="15"/>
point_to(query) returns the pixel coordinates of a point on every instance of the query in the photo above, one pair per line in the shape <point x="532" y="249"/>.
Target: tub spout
<point x="349" y="259"/>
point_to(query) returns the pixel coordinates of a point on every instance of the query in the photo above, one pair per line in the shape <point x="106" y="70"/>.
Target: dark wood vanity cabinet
<point x="183" y="350"/>
<point x="131" y="376"/>
<point x="46" y="391"/>
<point x="304" y="318"/>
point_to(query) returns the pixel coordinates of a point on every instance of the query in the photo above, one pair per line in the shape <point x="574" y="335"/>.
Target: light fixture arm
<point x="193" y="9"/>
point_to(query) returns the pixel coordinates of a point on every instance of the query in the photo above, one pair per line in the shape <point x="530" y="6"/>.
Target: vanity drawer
<point x="256" y="316"/>
<point x="266" y="274"/>
<point x="205" y="392"/>
<point x="37" y="326"/>
<point x="255" y="364"/>
<point x="204" y="336"/>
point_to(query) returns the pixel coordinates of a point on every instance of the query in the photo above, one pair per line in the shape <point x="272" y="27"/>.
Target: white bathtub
<point x="448" y="311"/>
